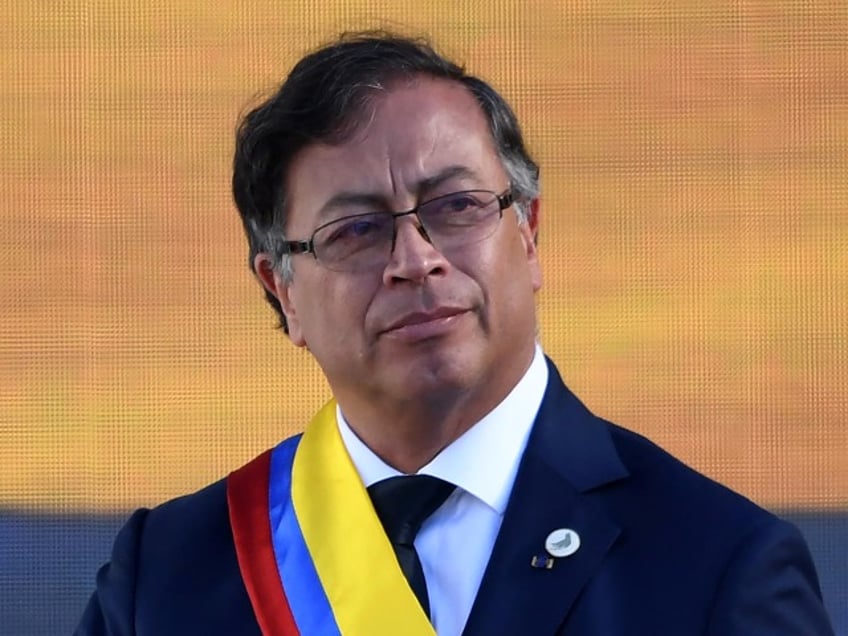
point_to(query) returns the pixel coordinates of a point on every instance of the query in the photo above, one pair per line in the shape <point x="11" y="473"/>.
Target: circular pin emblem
<point x="562" y="542"/>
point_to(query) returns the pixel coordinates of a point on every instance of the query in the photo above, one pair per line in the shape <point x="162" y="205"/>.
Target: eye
<point x="454" y="203"/>
<point x="356" y="227"/>
<point x="458" y="210"/>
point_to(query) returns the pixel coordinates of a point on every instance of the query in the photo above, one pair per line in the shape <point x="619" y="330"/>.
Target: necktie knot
<point x="403" y="503"/>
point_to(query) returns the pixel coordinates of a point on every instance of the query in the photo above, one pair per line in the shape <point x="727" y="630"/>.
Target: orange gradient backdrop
<point x="695" y="232"/>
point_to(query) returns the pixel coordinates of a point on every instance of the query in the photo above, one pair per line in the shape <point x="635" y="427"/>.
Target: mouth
<point x="425" y="324"/>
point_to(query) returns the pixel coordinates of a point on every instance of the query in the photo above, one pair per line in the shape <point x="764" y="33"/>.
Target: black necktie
<point x="403" y="503"/>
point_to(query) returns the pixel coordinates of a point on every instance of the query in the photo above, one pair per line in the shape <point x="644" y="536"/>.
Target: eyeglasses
<point x="366" y="241"/>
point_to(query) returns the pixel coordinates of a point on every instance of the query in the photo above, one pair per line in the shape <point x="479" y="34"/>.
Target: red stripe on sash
<point x="247" y="498"/>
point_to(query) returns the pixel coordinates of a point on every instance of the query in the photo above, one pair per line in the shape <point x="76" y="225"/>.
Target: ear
<point x="282" y="291"/>
<point x="530" y="236"/>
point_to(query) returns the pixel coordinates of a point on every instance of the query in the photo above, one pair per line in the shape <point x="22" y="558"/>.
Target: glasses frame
<point x="307" y="246"/>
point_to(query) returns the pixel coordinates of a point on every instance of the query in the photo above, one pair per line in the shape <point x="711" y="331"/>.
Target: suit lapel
<point x="569" y="453"/>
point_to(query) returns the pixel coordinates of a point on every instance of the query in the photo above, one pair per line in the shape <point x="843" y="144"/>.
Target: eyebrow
<point x="348" y="198"/>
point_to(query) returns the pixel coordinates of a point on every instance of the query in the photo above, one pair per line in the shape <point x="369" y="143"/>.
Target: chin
<point x="445" y="369"/>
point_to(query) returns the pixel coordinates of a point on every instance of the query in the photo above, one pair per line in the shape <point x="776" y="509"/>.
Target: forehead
<point x="410" y="133"/>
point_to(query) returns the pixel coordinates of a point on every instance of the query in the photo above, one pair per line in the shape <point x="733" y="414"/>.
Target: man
<point x="392" y="212"/>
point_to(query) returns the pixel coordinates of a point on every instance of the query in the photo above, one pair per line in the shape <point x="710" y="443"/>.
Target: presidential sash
<point x="312" y="552"/>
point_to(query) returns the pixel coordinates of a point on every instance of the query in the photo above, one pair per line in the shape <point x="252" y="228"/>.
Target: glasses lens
<point x="460" y="217"/>
<point x="355" y="242"/>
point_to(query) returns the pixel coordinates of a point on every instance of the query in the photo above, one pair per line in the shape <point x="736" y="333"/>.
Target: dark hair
<point x="323" y="100"/>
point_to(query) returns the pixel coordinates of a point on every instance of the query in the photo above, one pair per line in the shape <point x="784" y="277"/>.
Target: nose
<point x="413" y="256"/>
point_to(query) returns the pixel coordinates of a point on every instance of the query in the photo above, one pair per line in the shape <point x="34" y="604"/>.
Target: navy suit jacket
<point x="664" y="552"/>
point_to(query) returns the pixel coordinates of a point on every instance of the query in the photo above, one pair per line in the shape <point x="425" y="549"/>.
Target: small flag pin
<point x="542" y="562"/>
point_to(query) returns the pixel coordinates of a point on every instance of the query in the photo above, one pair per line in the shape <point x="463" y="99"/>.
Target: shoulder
<point x="634" y="478"/>
<point x="711" y="551"/>
<point x="205" y="513"/>
<point x="691" y="528"/>
<point x="665" y="487"/>
<point x="158" y="557"/>
<point x="186" y="555"/>
<point x="189" y="523"/>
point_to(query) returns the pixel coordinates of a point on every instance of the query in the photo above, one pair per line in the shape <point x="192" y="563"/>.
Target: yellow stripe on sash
<point x="352" y="555"/>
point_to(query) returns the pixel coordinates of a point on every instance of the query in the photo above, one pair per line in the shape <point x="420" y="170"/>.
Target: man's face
<point x="428" y="325"/>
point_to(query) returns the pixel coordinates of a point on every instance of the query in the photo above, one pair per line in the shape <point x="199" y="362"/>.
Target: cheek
<point x="333" y="314"/>
<point x="511" y="278"/>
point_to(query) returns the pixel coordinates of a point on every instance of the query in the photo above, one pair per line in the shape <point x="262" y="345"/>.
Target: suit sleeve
<point x="770" y="587"/>
<point x="111" y="609"/>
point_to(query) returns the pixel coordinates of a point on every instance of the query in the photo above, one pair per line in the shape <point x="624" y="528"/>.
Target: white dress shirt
<point x="455" y="542"/>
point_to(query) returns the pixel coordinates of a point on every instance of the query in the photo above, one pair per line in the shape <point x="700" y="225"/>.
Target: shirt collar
<point x="482" y="461"/>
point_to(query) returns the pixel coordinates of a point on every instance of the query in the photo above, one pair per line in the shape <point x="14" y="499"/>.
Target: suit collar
<point x="569" y="454"/>
<point x="571" y="440"/>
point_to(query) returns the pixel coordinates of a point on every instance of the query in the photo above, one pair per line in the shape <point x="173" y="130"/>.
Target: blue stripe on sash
<point x="303" y="589"/>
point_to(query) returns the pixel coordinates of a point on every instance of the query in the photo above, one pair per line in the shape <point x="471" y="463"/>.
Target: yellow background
<point x="695" y="234"/>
